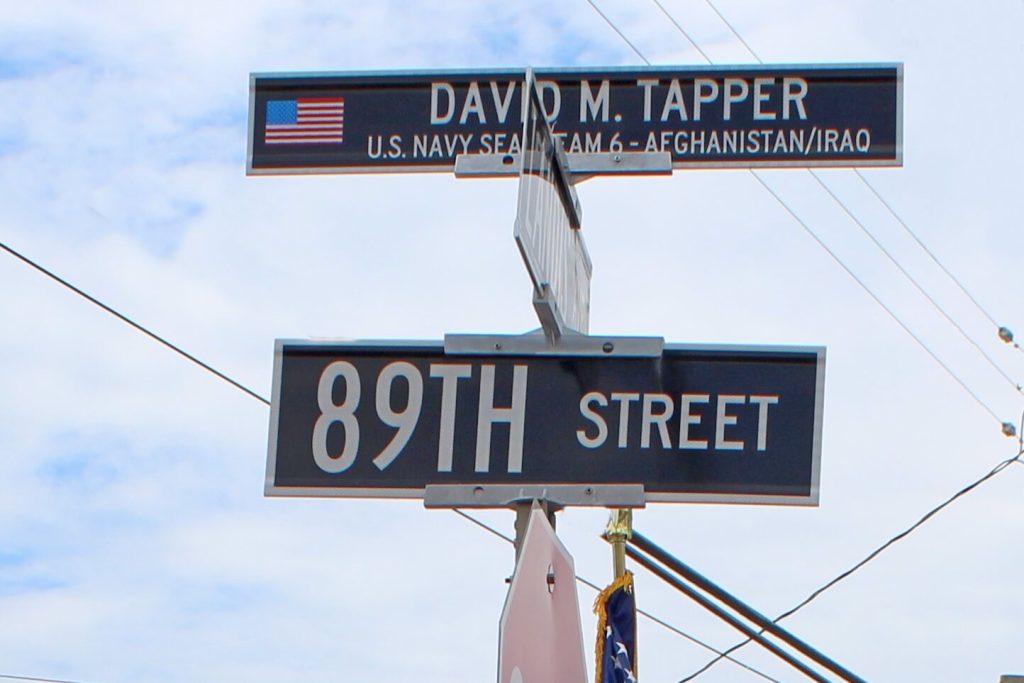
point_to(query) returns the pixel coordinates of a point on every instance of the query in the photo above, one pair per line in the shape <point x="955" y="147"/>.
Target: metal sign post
<point x="564" y="417"/>
<point x="540" y="636"/>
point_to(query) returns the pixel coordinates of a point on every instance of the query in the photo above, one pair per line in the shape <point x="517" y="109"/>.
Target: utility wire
<point x="913" y="281"/>
<point x="11" y="677"/>
<point x="734" y="32"/>
<point x="815" y="594"/>
<point x="818" y="239"/>
<point x="252" y="394"/>
<point x="928" y="251"/>
<point x="874" y="296"/>
<point x="1004" y="333"/>
<point x="648" y="615"/>
<point x="123" y="318"/>
<point x="720" y="655"/>
<point x="873" y="554"/>
<point x="993" y="472"/>
<point x="683" y="31"/>
<point x="616" y="29"/>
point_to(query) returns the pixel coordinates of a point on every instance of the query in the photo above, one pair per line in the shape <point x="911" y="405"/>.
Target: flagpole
<point x="616" y="609"/>
<point x="618" y="531"/>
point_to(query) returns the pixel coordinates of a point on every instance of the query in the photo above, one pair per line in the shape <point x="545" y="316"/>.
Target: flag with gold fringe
<point x="615" y="608"/>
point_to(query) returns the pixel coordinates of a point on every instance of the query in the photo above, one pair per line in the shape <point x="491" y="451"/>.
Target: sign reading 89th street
<point x="388" y="419"/>
<point x="736" y="116"/>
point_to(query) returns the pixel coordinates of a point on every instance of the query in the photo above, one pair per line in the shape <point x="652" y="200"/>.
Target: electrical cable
<point x="1003" y="332"/>
<point x="874" y="296"/>
<point x="616" y="29"/>
<point x="935" y="304"/>
<point x="35" y="679"/>
<point x="683" y="31"/>
<point x="872" y="555"/>
<point x="123" y="318"/>
<point x="220" y="375"/>
<point x="810" y="598"/>
<point x="926" y="250"/>
<point x="648" y="615"/>
<point x="846" y="209"/>
<point x="815" y="236"/>
<point x="996" y="470"/>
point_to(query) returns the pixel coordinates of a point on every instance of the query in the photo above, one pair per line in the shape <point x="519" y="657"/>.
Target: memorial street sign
<point x="547" y="229"/>
<point x="694" y="424"/>
<point x="732" y="116"/>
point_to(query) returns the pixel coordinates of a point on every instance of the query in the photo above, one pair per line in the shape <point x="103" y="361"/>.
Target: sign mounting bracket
<point x="535" y="344"/>
<point x="581" y="166"/>
<point x="556" y="496"/>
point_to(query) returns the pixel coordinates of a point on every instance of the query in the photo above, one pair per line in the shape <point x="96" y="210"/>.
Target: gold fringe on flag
<point x="601" y="610"/>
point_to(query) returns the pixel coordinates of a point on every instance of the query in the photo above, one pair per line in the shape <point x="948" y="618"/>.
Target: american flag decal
<point x="305" y="121"/>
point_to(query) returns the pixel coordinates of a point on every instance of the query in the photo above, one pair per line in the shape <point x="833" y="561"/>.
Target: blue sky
<point x="135" y="542"/>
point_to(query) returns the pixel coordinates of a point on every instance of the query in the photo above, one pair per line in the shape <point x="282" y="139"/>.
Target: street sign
<point x="547" y="228"/>
<point x="732" y="116"/>
<point x="540" y="633"/>
<point x="691" y="424"/>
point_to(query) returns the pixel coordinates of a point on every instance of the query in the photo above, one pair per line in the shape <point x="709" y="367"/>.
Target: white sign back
<point x="541" y="637"/>
<point x="547" y="228"/>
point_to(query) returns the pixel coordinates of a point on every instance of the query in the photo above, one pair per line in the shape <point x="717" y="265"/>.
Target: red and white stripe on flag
<point x="317" y="120"/>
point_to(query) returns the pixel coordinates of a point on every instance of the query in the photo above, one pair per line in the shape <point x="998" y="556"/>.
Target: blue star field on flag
<point x="616" y="642"/>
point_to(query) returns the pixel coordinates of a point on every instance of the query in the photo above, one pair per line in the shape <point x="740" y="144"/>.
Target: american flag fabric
<point x="305" y="121"/>
<point x="616" y="632"/>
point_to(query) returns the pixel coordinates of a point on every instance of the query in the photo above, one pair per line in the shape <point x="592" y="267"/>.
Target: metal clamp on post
<point x="558" y="496"/>
<point x="582" y="166"/>
<point x="535" y="344"/>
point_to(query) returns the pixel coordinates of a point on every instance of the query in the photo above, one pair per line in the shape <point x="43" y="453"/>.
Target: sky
<point x="136" y="544"/>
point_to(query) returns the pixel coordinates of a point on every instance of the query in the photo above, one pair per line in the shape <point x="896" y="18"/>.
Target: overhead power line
<point x="35" y="679"/>
<point x="871" y="293"/>
<point x="1007" y="427"/>
<point x="220" y="375"/>
<point x="125" y="319"/>
<point x="899" y="266"/>
<point x="817" y="238"/>
<point x="648" y="615"/>
<point x="873" y="554"/>
<point x="1004" y="333"/>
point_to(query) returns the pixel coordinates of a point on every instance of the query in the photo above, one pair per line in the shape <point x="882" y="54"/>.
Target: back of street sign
<point x="717" y="116"/>
<point x="547" y="229"/>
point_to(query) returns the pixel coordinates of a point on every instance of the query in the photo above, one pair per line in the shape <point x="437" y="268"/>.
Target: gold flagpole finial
<point x="618" y="531"/>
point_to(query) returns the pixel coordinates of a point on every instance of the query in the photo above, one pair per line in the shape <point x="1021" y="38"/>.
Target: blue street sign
<point x="733" y="116"/>
<point x="695" y="423"/>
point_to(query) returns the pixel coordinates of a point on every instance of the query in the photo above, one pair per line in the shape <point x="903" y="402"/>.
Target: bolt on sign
<point x="692" y="424"/>
<point x="733" y="116"/>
